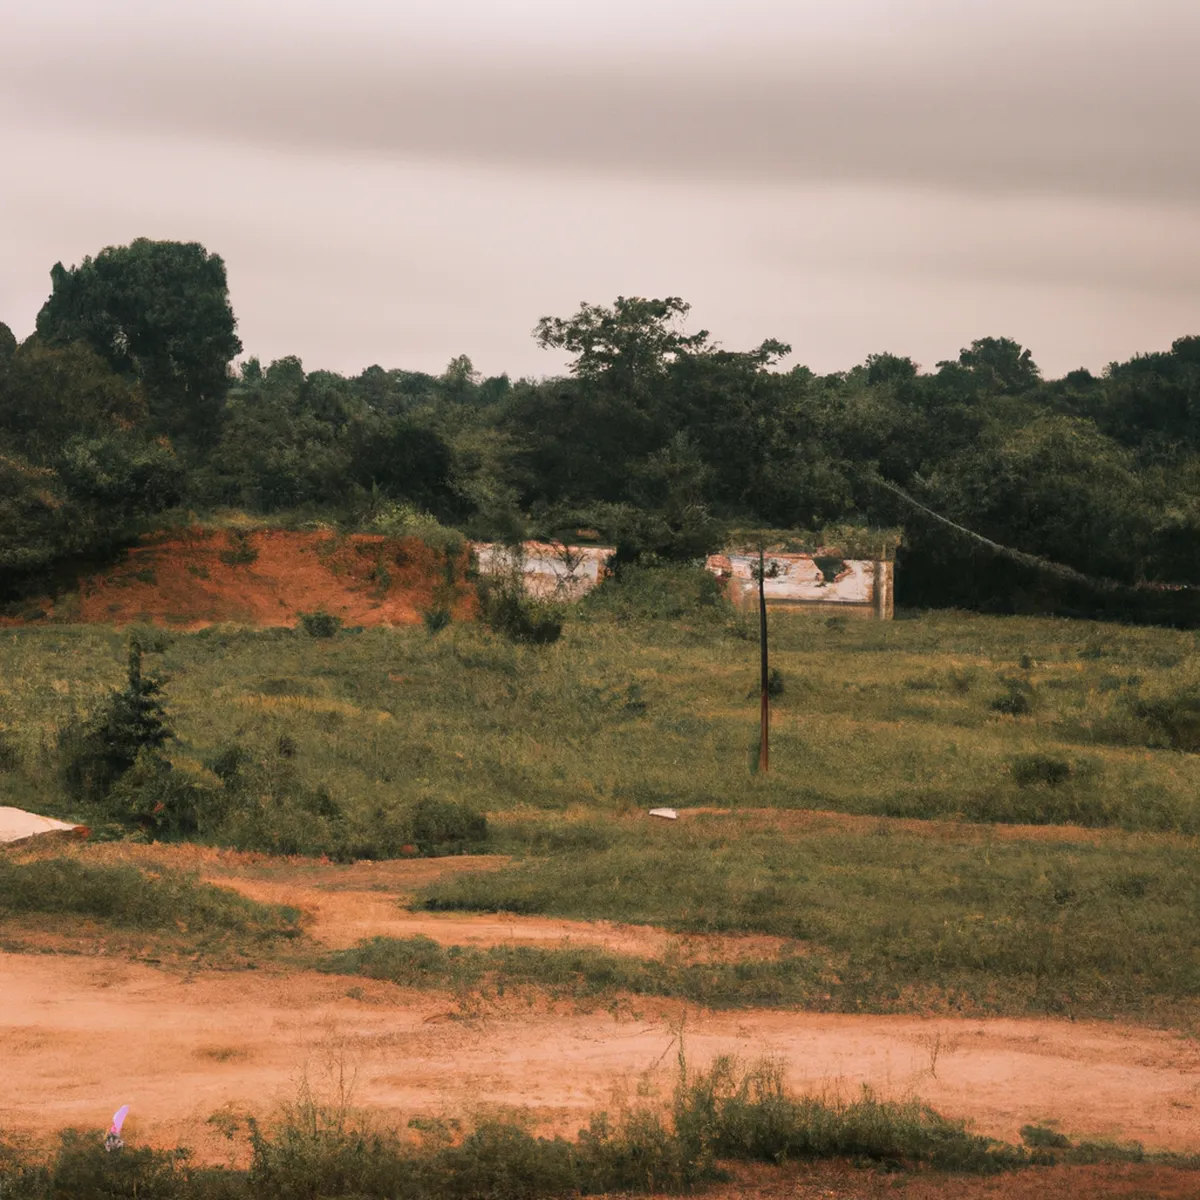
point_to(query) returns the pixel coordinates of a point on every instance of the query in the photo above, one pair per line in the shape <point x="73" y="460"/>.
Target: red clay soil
<point x="82" y="1034"/>
<point x="196" y="577"/>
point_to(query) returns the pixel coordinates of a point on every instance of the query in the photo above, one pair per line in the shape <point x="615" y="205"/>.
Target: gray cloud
<point x="402" y="182"/>
<point x="1035" y="106"/>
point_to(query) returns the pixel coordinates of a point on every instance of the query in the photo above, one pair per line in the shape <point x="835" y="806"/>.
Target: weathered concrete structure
<point x="821" y="581"/>
<point x="551" y="570"/>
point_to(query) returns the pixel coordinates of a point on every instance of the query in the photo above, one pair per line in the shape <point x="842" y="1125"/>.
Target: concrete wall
<point x="551" y="570"/>
<point x="859" y="588"/>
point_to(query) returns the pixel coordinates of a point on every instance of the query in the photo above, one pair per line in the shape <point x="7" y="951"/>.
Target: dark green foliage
<point x="10" y="754"/>
<point x="94" y="755"/>
<point x="320" y="624"/>
<point x="750" y="1115"/>
<point x="241" y="551"/>
<point x="1173" y="720"/>
<point x="263" y="802"/>
<point x="441" y="825"/>
<point x="581" y="973"/>
<point x="1042" y="1138"/>
<point x="656" y="437"/>
<point x="158" y="311"/>
<point x="83" y="1170"/>
<point x="436" y="619"/>
<point x="1015" y="701"/>
<point x="506" y="608"/>
<point x="1031" y="770"/>
<point x="659" y="593"/>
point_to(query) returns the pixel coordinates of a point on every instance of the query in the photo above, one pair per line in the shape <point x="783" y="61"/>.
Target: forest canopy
<point x="125" y="405"/>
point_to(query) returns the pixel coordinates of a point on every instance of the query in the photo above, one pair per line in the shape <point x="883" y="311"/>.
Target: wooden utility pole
<point x="763" y="749"/>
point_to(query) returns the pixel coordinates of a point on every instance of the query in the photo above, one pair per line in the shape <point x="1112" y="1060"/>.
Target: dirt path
<point x="81" y="1035"/>
<point x="342" y="918"/>
<point x="343" y="904"/>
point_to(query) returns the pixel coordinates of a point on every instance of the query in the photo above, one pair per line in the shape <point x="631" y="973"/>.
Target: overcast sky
<point x="402" y="181"/>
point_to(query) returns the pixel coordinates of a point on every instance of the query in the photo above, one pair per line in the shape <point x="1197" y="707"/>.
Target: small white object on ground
<point x="668" y="813"/>
<point x="16" y="824"/>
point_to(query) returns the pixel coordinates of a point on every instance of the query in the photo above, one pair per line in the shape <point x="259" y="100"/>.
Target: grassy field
<point x="892" y="719"/>
<point x="880" y="915"/>
<point x="973" y="724"/>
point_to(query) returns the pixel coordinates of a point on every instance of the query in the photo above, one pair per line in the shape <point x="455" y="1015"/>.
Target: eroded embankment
<point x="195" y="577"/>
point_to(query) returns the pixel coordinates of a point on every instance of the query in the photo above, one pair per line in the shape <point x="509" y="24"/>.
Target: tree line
<point x="125" y="406"/>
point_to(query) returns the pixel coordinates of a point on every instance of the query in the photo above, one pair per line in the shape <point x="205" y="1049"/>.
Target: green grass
<point x="579" y="973"/>
<point x="889" y="919"/>
<point x="384" y="742"/>
<point x="889" y="718"/>
<point x="128" y="898"/>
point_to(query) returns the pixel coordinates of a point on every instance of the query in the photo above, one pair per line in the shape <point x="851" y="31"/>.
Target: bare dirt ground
<point x="190" y="578"/>
<point x="82" y="1033"/>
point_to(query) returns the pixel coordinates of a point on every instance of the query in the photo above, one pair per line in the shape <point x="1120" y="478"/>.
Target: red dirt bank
<point x="196" y="577"/>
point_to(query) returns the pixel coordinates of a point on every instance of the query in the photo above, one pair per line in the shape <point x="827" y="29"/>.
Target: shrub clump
<point x="507" y="609"/>
<point x="662" y="593"/>
<point x="439" y="826"/>
<point x="261" y="801"/>
<point x="320" y="624"/>
<point x="1016" y="700"/>
<point x="95" y="754"/>
<point x="1173" y="721"/>
<point x="1033" y="770"/>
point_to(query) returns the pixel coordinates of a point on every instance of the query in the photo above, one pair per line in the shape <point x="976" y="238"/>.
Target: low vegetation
<point x="129" y="898"/>
<point x="381" y="743"/>
<point x="627" y="712"/>
<point x="725" y="1115"/>
<point x="580" y="973"/>
<point x="879" y="917"/>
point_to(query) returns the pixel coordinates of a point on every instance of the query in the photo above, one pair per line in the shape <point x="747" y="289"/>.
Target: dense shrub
<point x="1029" y="770"/>
<point x="1015" y="701"/>
<point x="94" y="755"/>
<point x="1174" y="720"/>
<point x="666" y="593"/>
<point x="436" y="619"/>
<point x="241" y="551"/>
<point x="320" y="624"/>
<point x="10" y="754"/>
<point x="506" y="608"/>
<point x="441" y="825"/>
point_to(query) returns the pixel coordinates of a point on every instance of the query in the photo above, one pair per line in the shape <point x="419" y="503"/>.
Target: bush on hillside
<point x="94" y="755"/>
<point x="666" y="593"/>
<point x="507" y="609"/>
<point x="320" y="624"/>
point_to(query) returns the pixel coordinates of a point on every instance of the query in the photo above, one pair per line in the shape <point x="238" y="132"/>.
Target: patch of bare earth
<point x="81" y="1035"/>
<point x="191" y="578"/>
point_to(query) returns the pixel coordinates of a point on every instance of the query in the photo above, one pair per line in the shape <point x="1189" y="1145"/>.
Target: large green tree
<point x="157" y="311"/>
